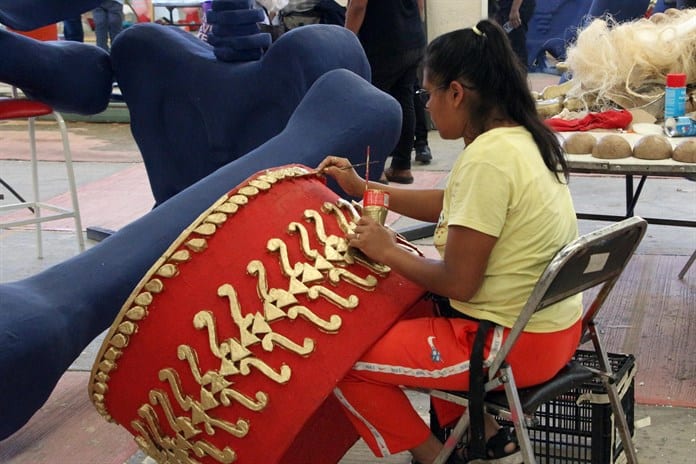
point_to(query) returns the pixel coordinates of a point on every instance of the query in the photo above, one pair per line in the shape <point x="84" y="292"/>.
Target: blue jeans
<point x="72" y="29"/>
<point x="108" y="22"/>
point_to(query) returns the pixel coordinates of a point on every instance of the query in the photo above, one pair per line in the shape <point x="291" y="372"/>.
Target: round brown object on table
<point x="685" y="152"/>
<point x="549" y="108"/>
<point x="652" y="147"/>
<point x="612" y="147"/>
<point x="579" y="144"/>
<point x="659" y="17"/>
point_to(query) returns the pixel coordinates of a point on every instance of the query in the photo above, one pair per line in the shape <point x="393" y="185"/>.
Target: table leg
<point x="632" y="196"/>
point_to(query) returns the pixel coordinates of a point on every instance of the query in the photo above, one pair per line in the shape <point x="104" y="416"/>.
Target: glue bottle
<point x="675" y="96"/>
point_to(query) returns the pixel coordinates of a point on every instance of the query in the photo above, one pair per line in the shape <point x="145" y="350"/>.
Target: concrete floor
<point x="663" y="434"/>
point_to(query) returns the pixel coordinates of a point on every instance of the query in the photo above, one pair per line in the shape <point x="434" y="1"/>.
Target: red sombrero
<point x="229" y="348"/>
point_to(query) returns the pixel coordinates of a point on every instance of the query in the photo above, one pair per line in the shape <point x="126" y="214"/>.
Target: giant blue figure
<point x="205" y="117"/>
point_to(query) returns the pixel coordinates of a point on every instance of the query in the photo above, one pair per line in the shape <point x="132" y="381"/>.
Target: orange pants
<point x="434" y="352"/>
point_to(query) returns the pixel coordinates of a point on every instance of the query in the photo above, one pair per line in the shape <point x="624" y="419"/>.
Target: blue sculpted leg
<point x="70" y="76"/>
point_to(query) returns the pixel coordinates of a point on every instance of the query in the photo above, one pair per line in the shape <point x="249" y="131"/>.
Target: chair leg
<point x="621" y="423"/>
<point x="451" y="443"/>
<point x="518" y="418"/>
<point x="35" y="186"/>
<point x="614" y="399"/>
<point x="71" y="181"/>
<point x="687" y="265"/>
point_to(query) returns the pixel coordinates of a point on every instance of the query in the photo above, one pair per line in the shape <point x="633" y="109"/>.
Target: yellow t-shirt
<point x="500" y="186"/>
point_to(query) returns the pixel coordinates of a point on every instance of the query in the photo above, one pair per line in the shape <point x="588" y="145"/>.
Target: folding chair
<point x="593" y="260"/>
<point x="22" y="108"/>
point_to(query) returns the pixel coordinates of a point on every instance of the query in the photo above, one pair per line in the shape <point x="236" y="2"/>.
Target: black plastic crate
<point x="578" y="428"/>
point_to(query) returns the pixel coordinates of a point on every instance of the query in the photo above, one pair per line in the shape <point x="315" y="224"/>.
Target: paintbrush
<point x="315" y="172"/>
<point x="367" y="169"/>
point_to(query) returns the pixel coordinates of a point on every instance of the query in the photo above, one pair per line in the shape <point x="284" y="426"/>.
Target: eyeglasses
<point x="424" y="95"/>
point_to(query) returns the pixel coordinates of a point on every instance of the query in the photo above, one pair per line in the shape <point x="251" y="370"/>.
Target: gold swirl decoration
<point x="175" y="423"/>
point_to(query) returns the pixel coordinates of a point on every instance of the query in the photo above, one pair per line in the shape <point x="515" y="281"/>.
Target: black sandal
<point x="495" y="449"/>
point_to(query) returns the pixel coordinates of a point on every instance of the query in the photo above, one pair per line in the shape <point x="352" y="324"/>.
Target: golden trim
<point x="154" y="286"/>
<point x="216" y="218"/>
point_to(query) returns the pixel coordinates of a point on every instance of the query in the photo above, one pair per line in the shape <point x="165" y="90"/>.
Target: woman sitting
<point x="505" y="211"/>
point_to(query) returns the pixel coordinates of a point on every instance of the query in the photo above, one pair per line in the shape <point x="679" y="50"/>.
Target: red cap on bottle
<point x="676" y="80"/>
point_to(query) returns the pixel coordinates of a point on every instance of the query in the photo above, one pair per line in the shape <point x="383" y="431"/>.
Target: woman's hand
<point x="342" y="171"/>
<point x="515" y="18"/>
<point x="372" y="239"/>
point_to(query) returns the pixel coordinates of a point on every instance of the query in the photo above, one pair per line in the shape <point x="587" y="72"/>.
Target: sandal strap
<point x="495" y="446"/>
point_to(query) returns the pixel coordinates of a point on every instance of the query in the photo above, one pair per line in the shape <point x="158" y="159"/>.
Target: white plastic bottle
<point x="675" y="96"/>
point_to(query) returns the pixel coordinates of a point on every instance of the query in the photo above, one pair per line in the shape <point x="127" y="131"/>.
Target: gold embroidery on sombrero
<point x="186" y="426"/>
<point x="336" y="248"/>
<point x="216" y="218"/>
<point x="330" y="326"/>
<point x="254" y="328"/>
<point x="175" y="450"/>
<point x="217" y="382"/>
<point x="206" y="228"/>
<point x="276" y="299"/>
<point x="346" y="227"/>
<point x="306" y="248"/>
<point x="168" y="270"/>
<point x="154" y="286"/>
<point x="260" y="184"/>
<point x="369" y="282"/>
<point x="198" y="244"/>
<point x="136" y="313"/>
<point x="278" y="246"/>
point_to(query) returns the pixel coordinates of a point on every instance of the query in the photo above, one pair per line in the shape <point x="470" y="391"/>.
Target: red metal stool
<point x="21" y="108"/>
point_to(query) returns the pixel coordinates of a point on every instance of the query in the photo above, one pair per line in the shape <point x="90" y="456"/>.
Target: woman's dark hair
<point x="482" y="57"/>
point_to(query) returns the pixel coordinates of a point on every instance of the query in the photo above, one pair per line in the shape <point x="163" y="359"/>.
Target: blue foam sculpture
<point x="192" y="113"/>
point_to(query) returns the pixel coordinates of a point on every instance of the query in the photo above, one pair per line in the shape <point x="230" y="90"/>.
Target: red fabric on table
<point x="612" y="119"/>
<point x="132" y="383"/>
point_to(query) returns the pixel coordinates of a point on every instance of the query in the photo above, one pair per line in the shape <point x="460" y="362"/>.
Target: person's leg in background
<point x="72" y="29"/>
<point x="395" y="75"/>
<point x="115" y="15"/>
<point x="420" y="143"/>
<point x="101" y="32"/>
<point x="400" y="168"/>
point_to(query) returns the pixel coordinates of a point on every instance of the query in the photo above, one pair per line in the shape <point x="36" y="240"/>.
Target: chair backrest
<point x="596" y="258"/>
